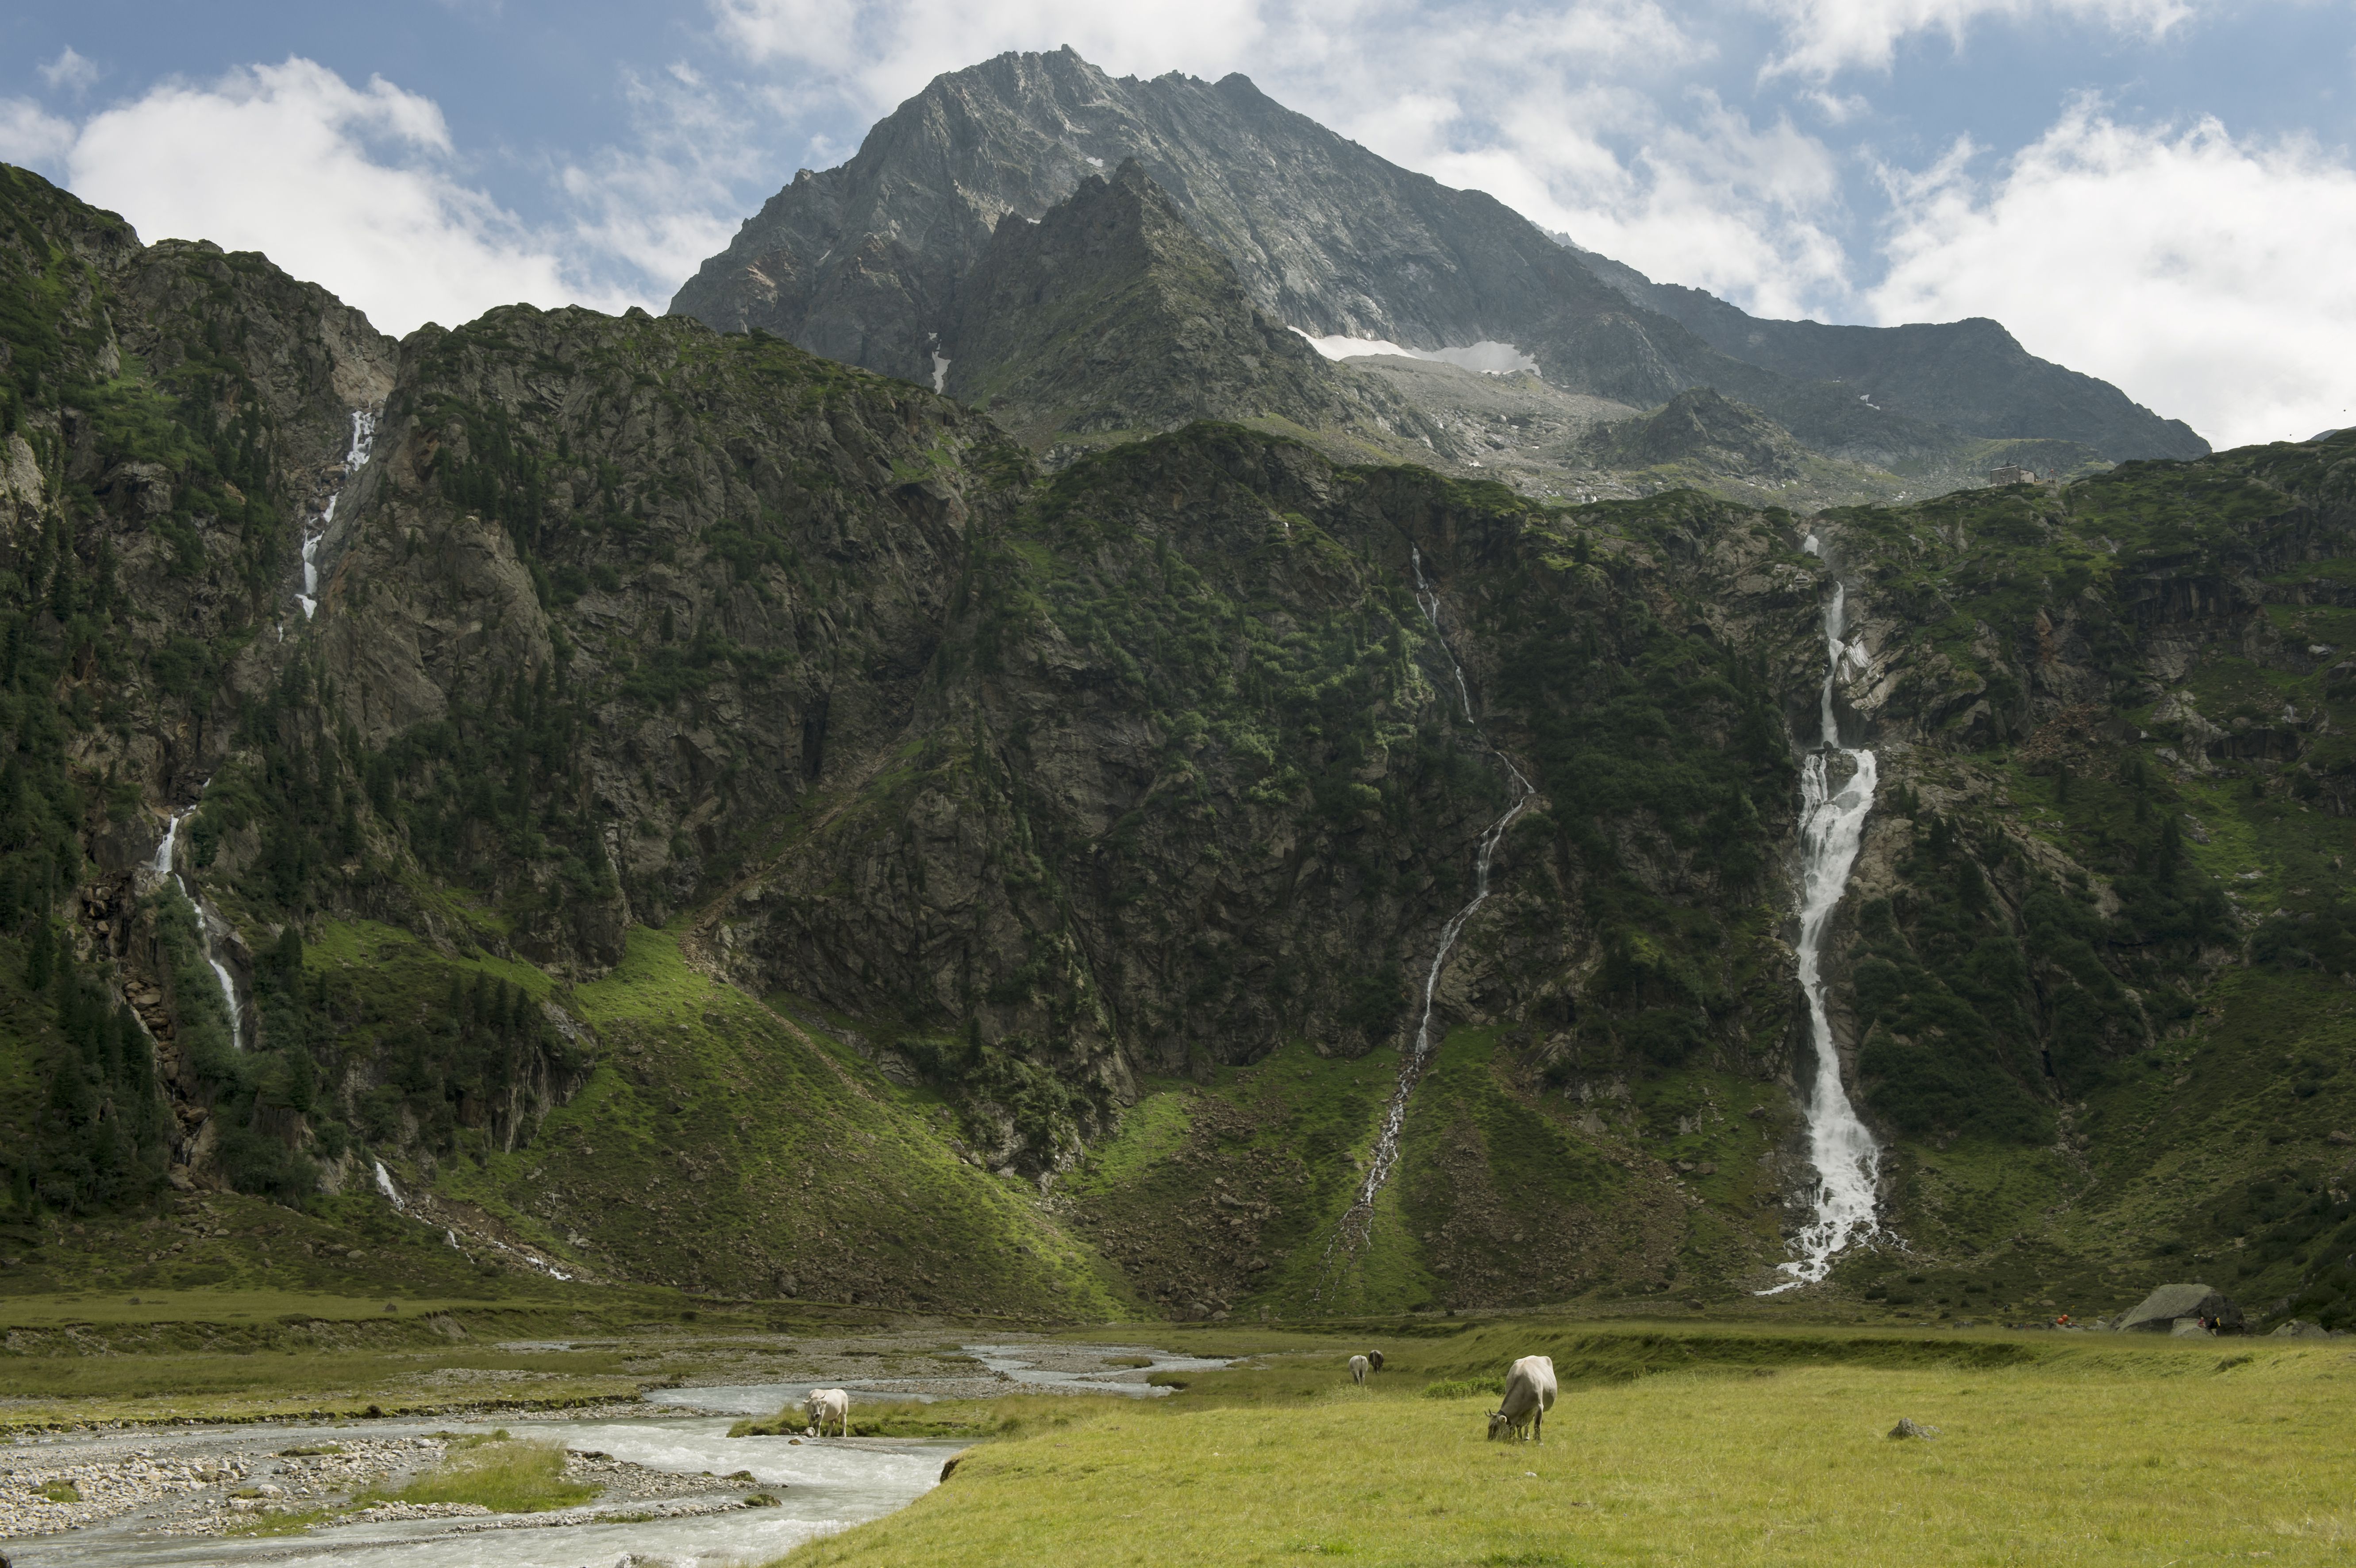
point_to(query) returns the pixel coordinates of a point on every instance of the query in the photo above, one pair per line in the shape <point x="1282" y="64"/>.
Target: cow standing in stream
<point x="825" y="1405"/>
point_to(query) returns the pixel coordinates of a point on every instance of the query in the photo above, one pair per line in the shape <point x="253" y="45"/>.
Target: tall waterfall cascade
<point x="1831" y="826"/>
<point x="1358" y="1221"/>
<point x="314" y="536"/>
<point x="166" y="868"/>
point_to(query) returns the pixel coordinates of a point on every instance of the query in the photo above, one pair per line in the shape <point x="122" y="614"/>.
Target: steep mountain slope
<point x="867" y="263"/>
<point x="734" y="820"/>
<point x="1972" y="375"/>
<point x="1110" y="316"/>
<point x="395" y="822"/>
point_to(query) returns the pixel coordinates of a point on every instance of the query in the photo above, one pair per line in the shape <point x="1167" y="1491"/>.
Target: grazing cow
<point x="1358" y="1370"/>
<point x="1375" y="1360"/>
<point x="829" y="1404"/>
<point x="1529" y="1394"/>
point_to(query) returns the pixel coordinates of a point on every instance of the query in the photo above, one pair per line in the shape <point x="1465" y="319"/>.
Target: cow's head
<point x="1499" y="1424"/>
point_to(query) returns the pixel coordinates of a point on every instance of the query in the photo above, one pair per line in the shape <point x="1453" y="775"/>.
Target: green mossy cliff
<point x="735" y="822"/>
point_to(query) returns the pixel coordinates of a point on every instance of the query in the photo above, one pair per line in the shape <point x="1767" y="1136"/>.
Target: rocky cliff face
<point x="736" y="819"/>
<point x="871" y="263"/>
<point x="1108" y="317"/>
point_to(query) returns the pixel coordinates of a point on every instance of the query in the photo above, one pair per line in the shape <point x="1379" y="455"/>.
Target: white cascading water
<point x="392" y="1193"/>
<point x="1359" y="1220"/>
<point x="363" y="438"/>
<point x="164" y="868"/>
<point x="1831" y="826"/>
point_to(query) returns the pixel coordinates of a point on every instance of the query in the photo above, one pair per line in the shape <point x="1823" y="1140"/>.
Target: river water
<point x="1837" y="785"/>
<point x="822" y="1486"/>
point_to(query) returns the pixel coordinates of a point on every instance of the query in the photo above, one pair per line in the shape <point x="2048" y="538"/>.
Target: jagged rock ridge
<point x="866" y="262"/>
<point x="1972" y="375"/>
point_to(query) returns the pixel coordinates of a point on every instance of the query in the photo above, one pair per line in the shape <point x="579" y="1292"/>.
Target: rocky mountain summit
<point x="871" y="264"/>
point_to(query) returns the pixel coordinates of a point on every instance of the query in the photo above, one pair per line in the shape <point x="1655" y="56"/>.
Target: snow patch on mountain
<point x="1488" y="356"/>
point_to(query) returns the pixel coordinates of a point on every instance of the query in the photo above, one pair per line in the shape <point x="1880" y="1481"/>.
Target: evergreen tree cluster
<point x="99" y="1131"/>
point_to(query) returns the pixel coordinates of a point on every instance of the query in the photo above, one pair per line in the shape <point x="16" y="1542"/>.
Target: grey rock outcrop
<point x="1110" y="315"/>
<point x="2158" y="1312"/>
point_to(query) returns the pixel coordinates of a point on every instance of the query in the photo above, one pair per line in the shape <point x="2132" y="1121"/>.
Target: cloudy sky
<point x="2159" y="192"/>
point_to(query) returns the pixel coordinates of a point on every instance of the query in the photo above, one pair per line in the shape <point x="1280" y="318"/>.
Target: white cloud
<point x="2205" y="275"/>
<point x="33" y="137"/>
<point x="70" y="71"/>
<point x="876" y="53"/>
<point x="1706" y="198"/>
<point x="354" y="187"/>
<point x="1822" y="37"/>
<point x="664" y="205"/>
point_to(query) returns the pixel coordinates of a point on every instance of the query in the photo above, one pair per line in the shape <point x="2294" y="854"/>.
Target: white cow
<point x="1358" y="1370"/>
<point x="825" y="1404"/>
<point x="1529" y="1394"/>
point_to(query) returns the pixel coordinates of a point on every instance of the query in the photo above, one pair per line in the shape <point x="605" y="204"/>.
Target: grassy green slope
<point x="718" y="1146"/>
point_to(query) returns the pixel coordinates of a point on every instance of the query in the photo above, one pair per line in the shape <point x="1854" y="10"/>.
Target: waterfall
<point x="165" y="868"/>
<point x="1357" y="1221"/>
<point x="392" y="1193"/>
<point x="1831" y="826"/>
<point x="363" y="439"/>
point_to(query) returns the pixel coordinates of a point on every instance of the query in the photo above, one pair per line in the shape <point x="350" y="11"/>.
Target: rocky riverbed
<point x="199" y="1484"/>
<point x="672" y="1486"/>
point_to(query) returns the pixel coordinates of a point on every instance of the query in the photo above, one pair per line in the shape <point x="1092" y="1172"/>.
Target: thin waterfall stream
<point x="1357" y="1221"/>
<point x="355" y="459"/>
<point x="165" y="868"/>
<point x="1832" y="827"/>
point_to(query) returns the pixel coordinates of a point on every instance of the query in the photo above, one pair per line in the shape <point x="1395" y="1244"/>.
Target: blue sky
<point x="2160" y="192"/>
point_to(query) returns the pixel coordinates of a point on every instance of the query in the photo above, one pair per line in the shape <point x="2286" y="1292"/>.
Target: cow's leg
<point x="1539" y="1424"/>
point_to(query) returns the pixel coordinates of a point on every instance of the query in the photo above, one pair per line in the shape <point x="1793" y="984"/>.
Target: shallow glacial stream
<point x="821" y="1486"/>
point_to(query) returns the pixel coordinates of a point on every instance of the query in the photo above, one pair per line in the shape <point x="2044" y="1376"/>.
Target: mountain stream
<point x="693" y="1517"/>
<point x="165" y="868"/>
<point x="1831" y="826"/>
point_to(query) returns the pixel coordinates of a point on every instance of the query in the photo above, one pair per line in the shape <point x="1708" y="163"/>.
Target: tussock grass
<point x="2121" y="1456"/>
<point x="504" y="1477"/>
<point x="278" y="1522"/>
<point x="1012" y="1416"/>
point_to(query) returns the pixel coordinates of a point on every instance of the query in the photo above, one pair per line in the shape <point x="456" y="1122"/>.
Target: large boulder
<point x="2160" y="1309"/>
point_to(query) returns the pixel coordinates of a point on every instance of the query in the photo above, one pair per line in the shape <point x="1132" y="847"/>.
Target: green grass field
<point x="1730" y="1447"/>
